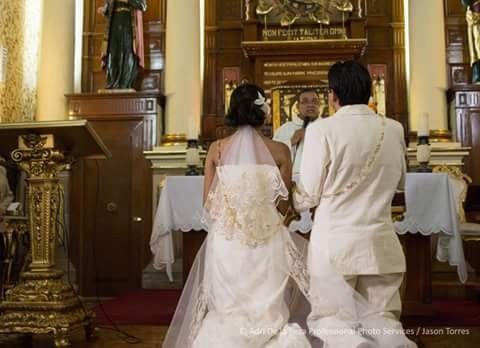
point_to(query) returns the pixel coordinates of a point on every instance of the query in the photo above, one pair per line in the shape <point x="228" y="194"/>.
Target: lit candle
<point x="423" y="127"/>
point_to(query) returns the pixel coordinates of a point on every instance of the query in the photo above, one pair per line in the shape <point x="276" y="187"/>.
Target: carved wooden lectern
<point x="42" y="302"/>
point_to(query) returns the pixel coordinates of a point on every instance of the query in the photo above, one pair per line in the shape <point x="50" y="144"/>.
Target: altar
<point x="430" y="210"/>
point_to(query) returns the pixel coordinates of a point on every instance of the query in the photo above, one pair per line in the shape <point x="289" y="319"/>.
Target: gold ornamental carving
<point x="292" y="10"/>
<point x="289" y="12"/>
<point x="42" y="302"/>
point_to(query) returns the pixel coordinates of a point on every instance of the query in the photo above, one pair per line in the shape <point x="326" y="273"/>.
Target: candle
<point x="423" y="127"/>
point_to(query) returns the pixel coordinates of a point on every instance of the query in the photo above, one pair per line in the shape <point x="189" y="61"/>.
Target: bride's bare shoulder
<point x="215" y="149"/>
<point x="278" y="149"/>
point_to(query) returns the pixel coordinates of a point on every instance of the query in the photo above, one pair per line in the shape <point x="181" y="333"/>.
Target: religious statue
<point x="378" y="100"/>
<point x="473" y="31"/>
<point x="122" y="47"/>
<point x="228" y="89"/>
<point x="373" y="99"/>
<point x="381" y="100"/>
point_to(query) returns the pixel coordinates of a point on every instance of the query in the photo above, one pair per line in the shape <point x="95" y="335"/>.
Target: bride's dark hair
<point x="242" y="110"/>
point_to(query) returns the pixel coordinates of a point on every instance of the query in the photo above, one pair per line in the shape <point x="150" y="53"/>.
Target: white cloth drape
<point x="430" y="201"/>
<point x="179" y="208"/>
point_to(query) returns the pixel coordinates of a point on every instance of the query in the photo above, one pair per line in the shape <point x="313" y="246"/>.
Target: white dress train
<point x="247" y="263"/>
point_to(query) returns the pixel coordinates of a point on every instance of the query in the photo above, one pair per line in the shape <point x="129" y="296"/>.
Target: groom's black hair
<point x="242" y="110"/>
<point x="351" y="82"/>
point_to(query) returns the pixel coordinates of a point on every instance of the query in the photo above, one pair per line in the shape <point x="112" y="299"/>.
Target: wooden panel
<point x="456" y="36"/>
<point x="192" y="241"/>
<point x="459" y="74"/>
<point x="380" y="36"/>
<point x="229" y="10"/>
<point x="230" y="39"/>
<point x="110" y="246"/>
<point x="454" y="8"/>
<point x="466" y="101"/>
<point x="117" y="267"/>
<point x="417" y="297"/>
<point x="155" y="11"/>
<point x="377" y="8"/>
<point x="458" y="59"/>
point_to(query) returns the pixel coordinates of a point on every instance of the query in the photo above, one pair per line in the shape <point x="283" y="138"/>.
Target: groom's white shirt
<point x="354" y="229"/>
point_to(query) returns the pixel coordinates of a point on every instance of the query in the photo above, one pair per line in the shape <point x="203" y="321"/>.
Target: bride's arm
<point x="209" y="170"/>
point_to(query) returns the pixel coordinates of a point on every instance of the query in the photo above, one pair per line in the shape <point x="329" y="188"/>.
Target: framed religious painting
<point x="378" y="102"/>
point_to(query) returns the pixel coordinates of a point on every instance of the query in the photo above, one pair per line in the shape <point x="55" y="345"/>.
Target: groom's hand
<point x="297" y="137"/>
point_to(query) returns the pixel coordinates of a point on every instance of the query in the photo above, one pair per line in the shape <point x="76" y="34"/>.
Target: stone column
<point x="182" y="71"/>
<point x="428" y="71"/>
<point x="56" y="59"/>
<point x="78" y="44"/>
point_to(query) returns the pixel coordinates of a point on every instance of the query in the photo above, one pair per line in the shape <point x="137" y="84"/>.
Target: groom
<point x="353" y="162"/>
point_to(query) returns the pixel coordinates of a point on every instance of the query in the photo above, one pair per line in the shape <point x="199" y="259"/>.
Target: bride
<point x="236" y="292"/>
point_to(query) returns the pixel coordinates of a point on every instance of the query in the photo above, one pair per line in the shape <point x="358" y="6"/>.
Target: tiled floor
<point x="152" y="336"/>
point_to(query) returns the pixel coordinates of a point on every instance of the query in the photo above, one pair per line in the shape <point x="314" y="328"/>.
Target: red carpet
<point x="143" y="307"/>
<point x="156" y="307"/>
<point x="449" y="313"/>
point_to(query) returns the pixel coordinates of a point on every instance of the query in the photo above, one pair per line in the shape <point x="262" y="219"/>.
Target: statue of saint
<point x="122" y="47"/>
<point x="473" y="31"/>
<point x="381" y="99"/>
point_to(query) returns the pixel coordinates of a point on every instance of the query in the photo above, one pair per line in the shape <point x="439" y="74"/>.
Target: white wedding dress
<point x="247" y="263"/>
<point x="236" y="292"/>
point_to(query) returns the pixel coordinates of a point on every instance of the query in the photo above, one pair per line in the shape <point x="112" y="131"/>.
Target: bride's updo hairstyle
<point x="243" y="111"/>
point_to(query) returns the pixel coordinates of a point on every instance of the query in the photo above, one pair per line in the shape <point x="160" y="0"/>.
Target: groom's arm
<point x="313" y="170"/>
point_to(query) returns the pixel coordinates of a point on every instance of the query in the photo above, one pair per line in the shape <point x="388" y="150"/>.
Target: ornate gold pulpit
<point x="42" y="302"/>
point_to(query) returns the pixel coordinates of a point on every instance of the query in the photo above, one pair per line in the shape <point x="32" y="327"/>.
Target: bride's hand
<point x="290" y="216"/>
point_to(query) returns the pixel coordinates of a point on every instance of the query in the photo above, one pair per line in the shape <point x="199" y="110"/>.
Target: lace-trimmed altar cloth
<point x="430" y="210"/>
<point x="430" y="203"/>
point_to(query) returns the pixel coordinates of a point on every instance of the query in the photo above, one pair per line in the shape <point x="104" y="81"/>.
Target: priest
<point x="292" y="133"/>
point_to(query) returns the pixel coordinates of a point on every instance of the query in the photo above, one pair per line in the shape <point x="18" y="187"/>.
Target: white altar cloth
<point x="430" y="201"/>
<point x="430" y="209"/>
